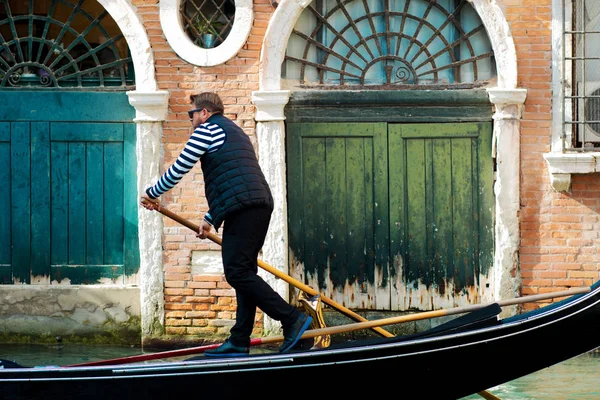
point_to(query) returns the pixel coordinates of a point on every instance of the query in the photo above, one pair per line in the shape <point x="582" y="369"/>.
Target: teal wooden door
<point x="72" y="188"/>
<point x="337" y="182"/>
<point x="391" y="216"/>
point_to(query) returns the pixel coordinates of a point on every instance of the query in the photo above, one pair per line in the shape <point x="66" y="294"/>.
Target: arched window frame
<point x="172" y="25"/>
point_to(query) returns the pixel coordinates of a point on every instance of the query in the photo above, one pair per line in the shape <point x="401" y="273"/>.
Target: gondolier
<point x="240" y="199"/>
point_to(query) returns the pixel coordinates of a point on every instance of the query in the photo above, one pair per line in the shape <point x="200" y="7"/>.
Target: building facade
<point x="422" y="155"/>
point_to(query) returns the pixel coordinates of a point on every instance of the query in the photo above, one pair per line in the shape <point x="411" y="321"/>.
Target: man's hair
<point x="209" y="100"/>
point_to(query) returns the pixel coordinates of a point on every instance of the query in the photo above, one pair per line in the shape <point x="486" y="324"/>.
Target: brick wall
<point x="199" y="304"/>
<point x="559" y="231"/>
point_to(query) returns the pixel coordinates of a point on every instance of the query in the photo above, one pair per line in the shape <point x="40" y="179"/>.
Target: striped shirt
<point x="207" y="137"/>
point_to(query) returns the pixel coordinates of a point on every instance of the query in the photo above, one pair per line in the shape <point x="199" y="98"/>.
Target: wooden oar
<point x="341" y="328"/>
<point x="274" y="271"/>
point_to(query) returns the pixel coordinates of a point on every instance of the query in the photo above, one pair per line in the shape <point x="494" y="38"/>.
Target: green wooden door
<point x="337" y="181"/>
<point x="391" y="216"/>
<point x="72" y="189"/>
<point x="441" y="202"/>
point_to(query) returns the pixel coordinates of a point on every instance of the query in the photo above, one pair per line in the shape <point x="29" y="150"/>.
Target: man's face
<point x="198" y="116"/>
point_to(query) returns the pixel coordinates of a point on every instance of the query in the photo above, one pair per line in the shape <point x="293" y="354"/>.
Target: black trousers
<point x="244" y="234"/>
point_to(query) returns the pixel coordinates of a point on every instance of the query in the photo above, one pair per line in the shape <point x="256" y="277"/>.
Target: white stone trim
<point x="501" y="39"/>
<point x="561" y="162"/>
<point x="151" y="108"/>
<point x="270" y="104"/>
<point x="172" y="26"/>
<point x="126" y="17"/>
<point x="506" y="142"/>
<point x="506" y="131"/>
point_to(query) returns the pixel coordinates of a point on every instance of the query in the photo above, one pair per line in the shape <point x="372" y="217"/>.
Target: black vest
<point x="233" y="179"/>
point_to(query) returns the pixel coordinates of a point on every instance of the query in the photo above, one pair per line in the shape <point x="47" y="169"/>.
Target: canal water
<point x="574" y="379"/>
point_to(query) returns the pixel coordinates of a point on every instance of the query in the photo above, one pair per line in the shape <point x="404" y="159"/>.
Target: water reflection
<point x="577" y="378"/>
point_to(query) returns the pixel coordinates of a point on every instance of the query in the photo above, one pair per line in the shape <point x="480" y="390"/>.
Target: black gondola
<point x="464" y="356"/>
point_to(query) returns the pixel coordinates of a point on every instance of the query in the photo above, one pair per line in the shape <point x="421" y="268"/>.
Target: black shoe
<point x="228" y="349"/>
<point x="292" y="333"/>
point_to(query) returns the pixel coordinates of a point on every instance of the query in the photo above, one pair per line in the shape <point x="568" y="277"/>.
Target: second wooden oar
<point x="274" y="271"/>
<point x="340" y="328"/>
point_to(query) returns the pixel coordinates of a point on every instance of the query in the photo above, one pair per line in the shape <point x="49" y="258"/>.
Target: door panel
<point x="338" y="203"/>
<point x="440" y="208"/>
<point x="71" y="205"/>
<point x="89" y="226"/>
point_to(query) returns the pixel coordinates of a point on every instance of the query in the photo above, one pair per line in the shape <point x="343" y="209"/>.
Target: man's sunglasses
<point x="191" y="112"/>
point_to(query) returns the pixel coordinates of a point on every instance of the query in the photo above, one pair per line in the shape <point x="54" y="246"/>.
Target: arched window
<point x="58" y="44"/>
<point x="389" y="42"/>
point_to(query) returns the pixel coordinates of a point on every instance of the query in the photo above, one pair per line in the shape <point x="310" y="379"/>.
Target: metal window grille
<point x="389" y="43"/>
<point x="207" y="22"/>
<point x="581" y="75"/>
<point x="61" y="43"/>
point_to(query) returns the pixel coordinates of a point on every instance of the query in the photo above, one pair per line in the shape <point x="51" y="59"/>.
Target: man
<point x="238" y="197"/>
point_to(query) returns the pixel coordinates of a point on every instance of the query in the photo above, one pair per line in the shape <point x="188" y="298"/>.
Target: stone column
<point x="270" y="132"/>
<point x="151" y="111"/>
<point x="505" y="276"/>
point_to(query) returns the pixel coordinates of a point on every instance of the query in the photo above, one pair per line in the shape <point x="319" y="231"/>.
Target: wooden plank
<point x="60" y="203"/>
<point x="428" y="265"/>
<point x="5" y="217"/>
<point x="314" y="165"/>
<point x="40" y="206"/>
<point x="442" y="222"/>
<point x="296" y="205"/>
<point x="113" y="203"/>
<point x="486" y="198"/>
<point x="398" y="211"/>
<point x="51" y="105"/>
<point x="381" y="229"/>
<point x="21" y="201"/>
<point x="462" y="211"/>
<point x="94" y="207"/>
<point x="87" y="132"/>
<point x="131" y="248"/>
<point x="335" y="195"/>
<point x="4" y="132"/>
<point x="416" y="218"/>
<point x="77" y="202"/>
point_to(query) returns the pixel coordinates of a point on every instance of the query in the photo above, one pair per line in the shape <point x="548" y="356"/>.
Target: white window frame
<point x="172" y="26"/>
<point x="562" y="160"/>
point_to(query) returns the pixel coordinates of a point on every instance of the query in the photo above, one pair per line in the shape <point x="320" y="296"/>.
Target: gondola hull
<point x="445" y="364"/>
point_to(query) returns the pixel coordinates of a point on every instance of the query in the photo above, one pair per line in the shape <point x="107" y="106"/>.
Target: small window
<point x="207" y="22"/>
<point x="581" y="74"/>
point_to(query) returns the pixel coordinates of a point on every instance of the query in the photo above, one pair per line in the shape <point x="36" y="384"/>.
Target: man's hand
<point x="204" y="230"/>
<point x="150" y="204"/>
